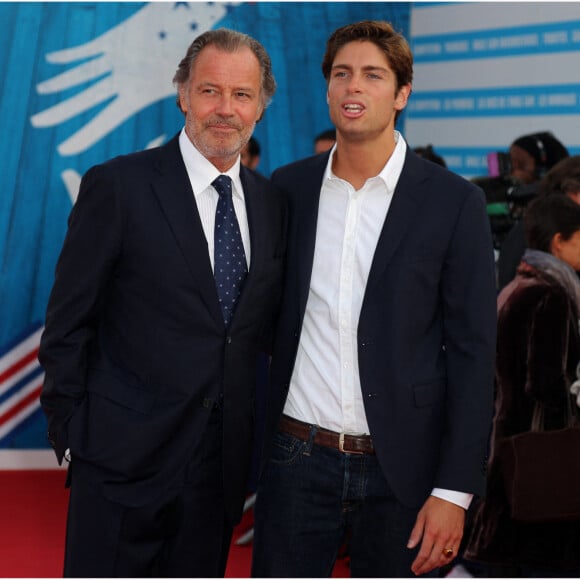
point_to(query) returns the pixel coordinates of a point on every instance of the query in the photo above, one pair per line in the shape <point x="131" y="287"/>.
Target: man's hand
<point x="440" y="523"/>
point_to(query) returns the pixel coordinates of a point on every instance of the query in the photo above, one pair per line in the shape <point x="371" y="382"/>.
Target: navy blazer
<point x="135" y="348"/>
<point x="426" y="333"/>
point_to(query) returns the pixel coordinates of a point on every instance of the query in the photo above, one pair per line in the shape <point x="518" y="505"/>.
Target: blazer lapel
<point x="305" y="220"/>
<point x="400" y="217"/>
<point x="257" y="215"/>
<point x="173" y="190"/>
<point x="260" y="240"/>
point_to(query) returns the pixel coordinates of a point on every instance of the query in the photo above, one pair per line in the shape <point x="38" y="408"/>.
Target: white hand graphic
<point x="72" y="178"/>
<point x="138" y="57"/>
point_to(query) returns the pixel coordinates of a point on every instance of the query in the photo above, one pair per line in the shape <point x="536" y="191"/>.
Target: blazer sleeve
<point x="469" y="303"/>
<point x="85" y="265"/>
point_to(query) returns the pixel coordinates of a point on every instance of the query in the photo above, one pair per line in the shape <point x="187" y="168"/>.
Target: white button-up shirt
<point x="325" y="388"/>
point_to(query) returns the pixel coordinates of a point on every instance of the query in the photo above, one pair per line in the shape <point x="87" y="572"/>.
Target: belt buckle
<point x="341" y="446"/>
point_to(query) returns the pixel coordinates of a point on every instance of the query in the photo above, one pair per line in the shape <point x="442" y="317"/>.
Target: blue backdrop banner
<point x="85" y="81"/>
<point x="487" y="73"/>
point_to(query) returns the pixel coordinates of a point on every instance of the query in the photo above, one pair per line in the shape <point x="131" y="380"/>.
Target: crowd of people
<point x="538" y="353"/>
<point x="538" y="350"/>
<point x="364" y="277"/>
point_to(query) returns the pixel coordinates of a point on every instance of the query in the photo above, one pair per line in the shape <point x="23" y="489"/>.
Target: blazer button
<point x="229" y="340"/>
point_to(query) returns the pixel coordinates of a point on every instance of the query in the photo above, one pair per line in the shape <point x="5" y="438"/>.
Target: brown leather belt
<point x="359" y="444"/>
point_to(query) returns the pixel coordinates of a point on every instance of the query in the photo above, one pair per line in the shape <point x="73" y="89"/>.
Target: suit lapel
<point x="400" y="217"/>
<point x="305" y="220"/>
<point x="257" y="215"/>
<point x="173" y="190"/>
<point x="256" y="211"/>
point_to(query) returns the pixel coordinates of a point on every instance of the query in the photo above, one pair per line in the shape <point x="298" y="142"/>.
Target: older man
<point x="165" y="289"/>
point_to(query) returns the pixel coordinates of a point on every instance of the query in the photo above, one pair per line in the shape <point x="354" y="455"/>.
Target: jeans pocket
<point x="286" y="449"/>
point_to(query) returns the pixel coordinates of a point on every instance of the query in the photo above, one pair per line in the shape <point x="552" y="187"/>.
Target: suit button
<point x="228" y="340"/>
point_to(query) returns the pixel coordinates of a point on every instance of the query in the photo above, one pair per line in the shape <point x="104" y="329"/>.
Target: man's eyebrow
<point x="369" y="67"/>
<point x="203" y="84"/>
<point x="209" y="84"/>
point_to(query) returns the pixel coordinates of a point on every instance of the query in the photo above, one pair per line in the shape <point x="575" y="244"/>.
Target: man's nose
<point x="225" y="105"/>
<point x="354" y="84"/>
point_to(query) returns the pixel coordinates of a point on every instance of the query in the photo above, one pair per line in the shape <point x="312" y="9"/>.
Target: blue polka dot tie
<point x="230" y="266"/>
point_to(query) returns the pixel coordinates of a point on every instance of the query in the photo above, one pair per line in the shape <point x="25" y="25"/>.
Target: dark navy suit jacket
<point x="426" y="333"/>
<point x="135" y="348"/>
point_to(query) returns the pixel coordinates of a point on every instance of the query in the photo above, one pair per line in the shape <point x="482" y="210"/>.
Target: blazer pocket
<point x="116" y="390"/>
<point x="427" y="394"/>
<point x="416" y="259"/>
<point x="427" y="251"/>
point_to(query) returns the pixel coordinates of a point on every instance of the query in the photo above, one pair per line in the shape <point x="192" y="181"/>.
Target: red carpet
<point x="33" y="515"/>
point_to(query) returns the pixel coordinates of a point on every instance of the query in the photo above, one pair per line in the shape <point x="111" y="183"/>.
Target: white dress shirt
<point x="201" y="173"/>
<point x="325" y="388"/>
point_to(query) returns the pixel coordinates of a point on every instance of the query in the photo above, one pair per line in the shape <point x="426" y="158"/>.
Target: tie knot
<point x="223" y="185"/>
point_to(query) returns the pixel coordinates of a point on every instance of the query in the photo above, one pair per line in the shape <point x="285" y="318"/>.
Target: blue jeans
<point x="310" y="497"/>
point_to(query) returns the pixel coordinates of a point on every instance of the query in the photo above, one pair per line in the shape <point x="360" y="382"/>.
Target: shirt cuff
<point x="459" y="498"/>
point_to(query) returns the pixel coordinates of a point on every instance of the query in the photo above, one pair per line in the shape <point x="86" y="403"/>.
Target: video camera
<point x="499" y="165"/>
<point x="506" y="196"/>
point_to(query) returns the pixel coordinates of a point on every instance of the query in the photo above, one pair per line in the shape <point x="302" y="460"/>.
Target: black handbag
<point x="541" y="471"/>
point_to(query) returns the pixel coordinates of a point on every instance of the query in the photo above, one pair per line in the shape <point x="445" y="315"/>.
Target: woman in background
<point x="531" y="158"/>
<point x="538" y="348"/>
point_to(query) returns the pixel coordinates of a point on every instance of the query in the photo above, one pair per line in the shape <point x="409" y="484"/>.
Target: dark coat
<point x="510" y="254"/>
<point x="426" y="331"/>
<point x="135" y="348"/>
<point x="537" y="353"/>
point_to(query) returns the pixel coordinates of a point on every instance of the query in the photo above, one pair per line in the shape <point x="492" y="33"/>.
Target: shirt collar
<point x="202" y="172"/>
<point x="390" y="173"/>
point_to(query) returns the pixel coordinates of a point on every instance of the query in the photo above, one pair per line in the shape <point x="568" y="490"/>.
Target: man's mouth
<point x="353" y="109"/>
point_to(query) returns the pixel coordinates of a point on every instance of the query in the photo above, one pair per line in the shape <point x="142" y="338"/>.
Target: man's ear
<point x="182" y="99"/>
<point x="402" y="97"/>
<point x="261" y="115"/>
